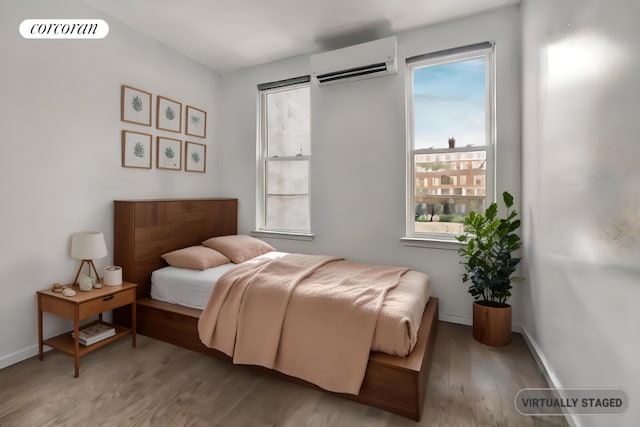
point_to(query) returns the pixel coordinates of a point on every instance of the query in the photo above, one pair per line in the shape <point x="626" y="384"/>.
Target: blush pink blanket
<point x="309" y="316"/>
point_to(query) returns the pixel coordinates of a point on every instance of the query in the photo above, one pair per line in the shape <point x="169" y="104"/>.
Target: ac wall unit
<point x="373" y="59"/>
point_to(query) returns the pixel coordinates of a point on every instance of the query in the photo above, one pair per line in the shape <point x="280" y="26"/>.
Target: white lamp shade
<point x="88" y="245"/>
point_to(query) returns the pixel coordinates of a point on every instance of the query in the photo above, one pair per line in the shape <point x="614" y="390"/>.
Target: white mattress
<point x="192" y="288"/>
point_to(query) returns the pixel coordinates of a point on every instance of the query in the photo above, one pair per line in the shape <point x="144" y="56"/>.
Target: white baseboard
<point x="461" y="320"/>
<point x="452" y="318"/>
<point x="20" y="355"/>
<point x="548" y="373"/>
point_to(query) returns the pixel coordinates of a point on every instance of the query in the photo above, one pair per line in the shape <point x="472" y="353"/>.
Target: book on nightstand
<point x="94" y="333"/>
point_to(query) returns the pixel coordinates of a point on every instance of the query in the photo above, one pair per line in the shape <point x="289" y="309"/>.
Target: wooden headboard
<point x="146" y="229"/>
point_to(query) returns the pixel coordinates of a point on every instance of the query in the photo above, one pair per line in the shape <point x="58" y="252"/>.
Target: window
<point x="284" y="156"/>
<point x="450" y="133"/>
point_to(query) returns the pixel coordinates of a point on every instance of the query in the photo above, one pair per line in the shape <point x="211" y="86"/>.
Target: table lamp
<point x="87" y="246"/>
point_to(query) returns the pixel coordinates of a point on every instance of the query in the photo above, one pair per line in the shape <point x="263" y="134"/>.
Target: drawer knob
<point x="107" y="298"/>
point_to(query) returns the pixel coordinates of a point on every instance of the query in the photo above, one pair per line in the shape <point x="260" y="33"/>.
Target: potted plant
<point x="489" y="263"/>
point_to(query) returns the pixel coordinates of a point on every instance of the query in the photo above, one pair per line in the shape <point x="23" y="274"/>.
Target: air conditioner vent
<point x="372" y="59"/>
<point x="353" y="72"/>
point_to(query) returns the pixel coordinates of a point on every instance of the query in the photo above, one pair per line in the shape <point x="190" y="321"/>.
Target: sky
<point x="449" y="101"/>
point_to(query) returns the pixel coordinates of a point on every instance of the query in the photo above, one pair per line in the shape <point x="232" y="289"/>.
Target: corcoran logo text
<point x="64" y="29"/>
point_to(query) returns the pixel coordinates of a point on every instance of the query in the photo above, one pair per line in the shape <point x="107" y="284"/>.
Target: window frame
<point x="486" y="50"/>
<point x="262" y="161"/>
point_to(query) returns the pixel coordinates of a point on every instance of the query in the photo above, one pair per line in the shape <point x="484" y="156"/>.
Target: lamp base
<point x="91" y="265"/>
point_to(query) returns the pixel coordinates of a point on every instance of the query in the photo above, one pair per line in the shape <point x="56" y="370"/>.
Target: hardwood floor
<point x="158" y="384"/>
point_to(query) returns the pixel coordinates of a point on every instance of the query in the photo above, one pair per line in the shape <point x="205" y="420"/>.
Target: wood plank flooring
<point x="158" y="384"/>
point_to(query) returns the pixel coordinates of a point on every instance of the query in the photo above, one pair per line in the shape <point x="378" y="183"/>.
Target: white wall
<point x="581" y="186"/>
<point x="61" y="150"/>
<point x="60" y="111"/>
<point x="358" y="148"/>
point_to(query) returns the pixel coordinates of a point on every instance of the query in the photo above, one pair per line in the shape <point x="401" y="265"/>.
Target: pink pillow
<point x="238" y="248"/>
<point x="195" y="258"/>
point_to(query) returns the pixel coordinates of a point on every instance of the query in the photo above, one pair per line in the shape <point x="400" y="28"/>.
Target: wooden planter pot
<point x="491" y="325"/>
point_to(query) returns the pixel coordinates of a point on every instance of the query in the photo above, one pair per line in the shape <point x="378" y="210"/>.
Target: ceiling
<point x="227" y="35"/>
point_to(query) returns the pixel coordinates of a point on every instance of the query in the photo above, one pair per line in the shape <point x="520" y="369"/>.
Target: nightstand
<point x="81" y="306"/>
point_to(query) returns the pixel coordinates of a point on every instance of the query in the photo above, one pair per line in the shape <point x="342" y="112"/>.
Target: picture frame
<point x="136" y="150"/>
<point x="196" y="122"/>
<point x="195" y="157"/>
<point x="168" y="114"/>
<point x="168" y="153"/>
<point x="135" y="106"/>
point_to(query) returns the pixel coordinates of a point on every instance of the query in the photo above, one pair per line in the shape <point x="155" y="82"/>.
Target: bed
<point x="146" y="229"/>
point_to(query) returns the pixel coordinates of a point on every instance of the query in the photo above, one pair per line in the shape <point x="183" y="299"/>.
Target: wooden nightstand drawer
<point x="106" y="303"/>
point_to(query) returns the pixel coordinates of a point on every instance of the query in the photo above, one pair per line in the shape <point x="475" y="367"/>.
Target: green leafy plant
<point x="170" y="114"/>
<point x="137" y="104"/>
<point x="169" y="153"/>
<point x="138" y="150"/>
<point x="487" y="255"/>
<point x="195" y="156"/>
<point x="195" y="121"/>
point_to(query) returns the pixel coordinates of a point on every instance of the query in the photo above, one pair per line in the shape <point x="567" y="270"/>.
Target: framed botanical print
<point x="136" y="106"/>
<point x="169" y="115"/>
<point x="196" y="122"/>
<point x="169" y="153"/>
<point x="136" y="150"/>
<point x="195" y="157"/>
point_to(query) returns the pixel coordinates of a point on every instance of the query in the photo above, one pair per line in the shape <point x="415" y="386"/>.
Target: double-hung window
<point x="450" y="134"/>
<point x="284" y="157"/>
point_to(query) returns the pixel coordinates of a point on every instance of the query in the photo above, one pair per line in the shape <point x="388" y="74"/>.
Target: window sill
<point x="422" y="242"/>
<point x="283" y="235"/>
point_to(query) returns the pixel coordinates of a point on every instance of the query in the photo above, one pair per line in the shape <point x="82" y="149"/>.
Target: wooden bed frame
<point x="146" y="229"/>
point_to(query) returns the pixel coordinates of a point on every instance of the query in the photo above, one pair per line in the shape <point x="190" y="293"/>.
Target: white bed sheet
<point x="192" y="288"/>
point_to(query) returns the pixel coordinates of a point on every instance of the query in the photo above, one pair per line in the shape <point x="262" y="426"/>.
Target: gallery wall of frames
<point x="169" y="148"/>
